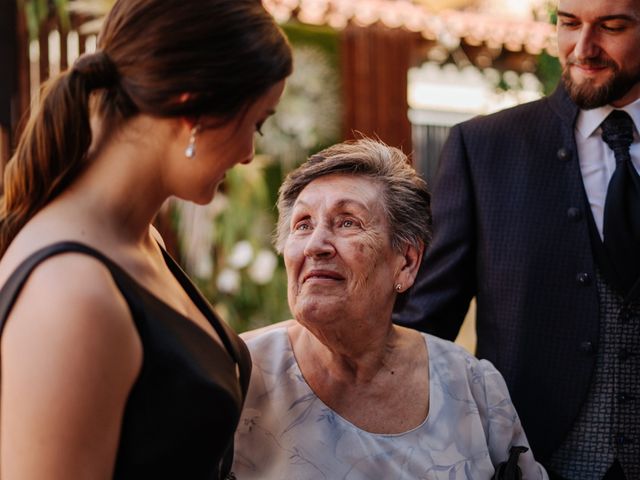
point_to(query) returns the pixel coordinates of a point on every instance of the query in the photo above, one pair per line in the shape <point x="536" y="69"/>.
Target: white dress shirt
<point x="597" y="161"/>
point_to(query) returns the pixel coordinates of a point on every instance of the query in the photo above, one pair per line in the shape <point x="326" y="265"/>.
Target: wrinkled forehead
<point x="342" y="189"/>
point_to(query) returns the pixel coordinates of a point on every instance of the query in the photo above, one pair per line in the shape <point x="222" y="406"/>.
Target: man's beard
<point x="588" y="96"/>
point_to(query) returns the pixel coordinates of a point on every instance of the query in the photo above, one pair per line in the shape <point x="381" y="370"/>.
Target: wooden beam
<point x="375" y="64"/>
<point x="5" y="151"/>
<point x="8" y="78"/>
<point x="22" y="95"/>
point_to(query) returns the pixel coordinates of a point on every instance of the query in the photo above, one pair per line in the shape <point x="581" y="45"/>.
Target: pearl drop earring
<point x="190" y="151"/>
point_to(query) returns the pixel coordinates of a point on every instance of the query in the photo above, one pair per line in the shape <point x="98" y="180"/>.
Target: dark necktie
<point x="621" y="229"/>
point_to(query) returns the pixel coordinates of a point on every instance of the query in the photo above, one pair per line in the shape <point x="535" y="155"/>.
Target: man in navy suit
<point x="518" y="218"/>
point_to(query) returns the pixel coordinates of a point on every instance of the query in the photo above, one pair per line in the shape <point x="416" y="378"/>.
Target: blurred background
<point x="401" y="70"/>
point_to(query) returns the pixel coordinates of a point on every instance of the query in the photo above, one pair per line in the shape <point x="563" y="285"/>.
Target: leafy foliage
<point x="236" y="266"/>
<point x="38" y="11"/>
<point x="548" y="69"/>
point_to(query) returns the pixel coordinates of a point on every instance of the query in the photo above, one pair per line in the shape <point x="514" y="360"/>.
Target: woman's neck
<point x="121" y="185"/>
<point x="380" y="389"/>
<point x="353" y="356"/>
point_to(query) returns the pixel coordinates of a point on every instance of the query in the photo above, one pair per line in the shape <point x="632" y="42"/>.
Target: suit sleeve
<point x="446" y="283"/>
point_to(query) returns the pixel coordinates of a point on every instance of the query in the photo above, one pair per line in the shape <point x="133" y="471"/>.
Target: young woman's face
<point x="219" y="148"/>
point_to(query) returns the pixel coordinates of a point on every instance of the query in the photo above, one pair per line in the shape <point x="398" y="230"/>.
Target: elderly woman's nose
<point x="319" y="243"/>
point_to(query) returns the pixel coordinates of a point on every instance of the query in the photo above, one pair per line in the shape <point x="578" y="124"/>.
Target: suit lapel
<point x="564" y="107"/>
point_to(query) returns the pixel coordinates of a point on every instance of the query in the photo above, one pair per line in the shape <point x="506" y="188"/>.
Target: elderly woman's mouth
<point x="322" y="275"/>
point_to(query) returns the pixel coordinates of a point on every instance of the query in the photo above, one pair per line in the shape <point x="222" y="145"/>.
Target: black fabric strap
<point x="16" y="281"/>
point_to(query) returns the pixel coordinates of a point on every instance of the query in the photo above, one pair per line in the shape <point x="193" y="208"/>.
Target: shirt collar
<point x="589" y="120"/>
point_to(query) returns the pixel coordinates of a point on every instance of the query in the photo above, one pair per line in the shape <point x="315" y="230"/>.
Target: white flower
<point x="261" y="271"/>
<point x="228" y="281"/>
<point x="203" y="268"/>
<point x="241" y="255"/>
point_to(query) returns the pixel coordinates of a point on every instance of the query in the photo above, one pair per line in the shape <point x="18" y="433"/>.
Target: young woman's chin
<point x="205" y="196"/>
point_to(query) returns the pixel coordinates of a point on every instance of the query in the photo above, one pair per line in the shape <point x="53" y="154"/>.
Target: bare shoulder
<point x="70" y="355"/>
<point x="72" y="298"/>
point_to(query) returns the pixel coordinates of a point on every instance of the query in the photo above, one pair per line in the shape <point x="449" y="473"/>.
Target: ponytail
<point x="53" y="147"/>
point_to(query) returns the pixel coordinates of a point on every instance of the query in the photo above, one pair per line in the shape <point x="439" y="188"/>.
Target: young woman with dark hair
<point x="113" y="364"/>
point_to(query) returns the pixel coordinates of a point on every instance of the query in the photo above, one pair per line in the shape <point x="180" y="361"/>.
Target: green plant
<point x="38" y="11"/>
<point x="548" y="67"/>
<point x="548" y="71"/>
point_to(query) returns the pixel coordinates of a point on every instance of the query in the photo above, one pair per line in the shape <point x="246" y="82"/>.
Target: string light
<point x="515" y="35"/>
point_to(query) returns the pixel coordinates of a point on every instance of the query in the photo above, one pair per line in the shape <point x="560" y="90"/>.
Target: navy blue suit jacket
<point x="510" y="227"/>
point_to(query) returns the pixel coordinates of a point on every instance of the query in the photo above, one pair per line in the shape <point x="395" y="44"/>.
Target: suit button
<point x="563" y="154"/>
<point x="574" y="214"/>
<point x="583" y="278"/>
<point x="587" y="347"/>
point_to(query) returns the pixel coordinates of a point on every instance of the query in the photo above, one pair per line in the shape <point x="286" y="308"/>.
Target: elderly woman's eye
<point x="348" y="222"/>
<point x="301" y="226"/>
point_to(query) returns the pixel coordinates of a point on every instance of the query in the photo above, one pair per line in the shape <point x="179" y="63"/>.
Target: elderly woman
<point x="341" y="392"/>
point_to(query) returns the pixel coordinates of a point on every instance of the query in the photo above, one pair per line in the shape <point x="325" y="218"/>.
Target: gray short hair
<point x="406" y="199"/>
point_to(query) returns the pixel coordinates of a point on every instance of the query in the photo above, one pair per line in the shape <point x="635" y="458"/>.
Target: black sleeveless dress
<point x="185" y="405"/>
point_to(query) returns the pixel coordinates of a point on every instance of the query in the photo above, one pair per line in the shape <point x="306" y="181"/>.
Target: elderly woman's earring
<point x="190" y="151"/>
<point x="398" y="287"/>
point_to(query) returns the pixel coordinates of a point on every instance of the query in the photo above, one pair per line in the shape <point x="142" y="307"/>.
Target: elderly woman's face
<point x="338" y="253"/>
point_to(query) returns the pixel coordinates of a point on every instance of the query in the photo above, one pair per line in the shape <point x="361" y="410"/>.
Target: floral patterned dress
<point x="287" y="432"/>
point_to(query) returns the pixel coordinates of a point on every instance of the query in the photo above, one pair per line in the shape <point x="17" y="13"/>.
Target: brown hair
<point x="223" y="53"/>
<point x="406" y="199"/>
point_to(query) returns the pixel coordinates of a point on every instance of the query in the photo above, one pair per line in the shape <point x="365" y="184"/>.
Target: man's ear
<point x="409" y="266"/>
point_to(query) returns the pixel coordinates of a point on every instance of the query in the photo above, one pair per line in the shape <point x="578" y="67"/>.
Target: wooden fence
<point x="30" y="63"/>
<point x="375" y="60"/>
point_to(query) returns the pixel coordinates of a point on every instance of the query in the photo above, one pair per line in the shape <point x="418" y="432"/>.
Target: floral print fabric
<point x="287" y="432"/>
